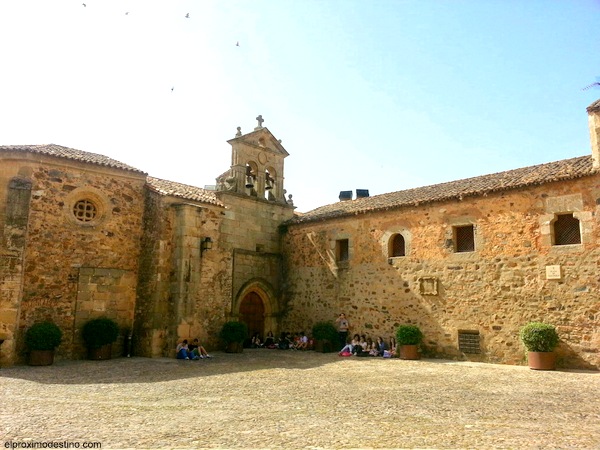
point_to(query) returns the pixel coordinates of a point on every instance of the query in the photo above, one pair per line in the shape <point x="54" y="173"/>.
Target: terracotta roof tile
<point x="70" y="153"/>
<point x="502" y="181"/>
<point x="165" y="187"/>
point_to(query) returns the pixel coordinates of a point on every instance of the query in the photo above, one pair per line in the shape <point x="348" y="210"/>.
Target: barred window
<point x="85" y="211"/>
<point x="398" y="246"/>
<point x="566" y="230"/>
<point x="464" y="239"/>
<point x="468" y="342"/>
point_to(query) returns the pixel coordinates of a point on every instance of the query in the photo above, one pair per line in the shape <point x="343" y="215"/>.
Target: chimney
<point x="594" y="121"/>
<point x="362" y="193"/>
<point x="345" y="196"/>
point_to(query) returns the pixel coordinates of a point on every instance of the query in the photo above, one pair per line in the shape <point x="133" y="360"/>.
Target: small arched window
<point x="398" y="246"/>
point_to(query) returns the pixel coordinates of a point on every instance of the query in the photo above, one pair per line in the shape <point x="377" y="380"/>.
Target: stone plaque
<point x="428" y="286"/>
<point x="553" y="273"/>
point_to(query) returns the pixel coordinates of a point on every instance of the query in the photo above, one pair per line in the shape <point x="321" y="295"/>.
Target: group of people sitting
<point x="363" y="346"/>
<point x="193" y="351"/>
<point x="285" y="341"/>
<point x="360" y="345"/>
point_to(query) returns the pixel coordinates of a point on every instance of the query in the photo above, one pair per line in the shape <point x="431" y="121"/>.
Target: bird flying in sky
<point x="597" y="83"/>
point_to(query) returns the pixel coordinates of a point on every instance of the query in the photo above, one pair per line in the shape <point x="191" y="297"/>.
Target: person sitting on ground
<point x="360" y="349"/>
<point x="373" y="351"/>
<point x="295" y="339"/>
<point x="362" y="341"/>
<point x="284" y="341"/>
<point x="270" y="340"/>
<point x="302" y="343"/>
<point x="183" y="351"/>
<point x="198" y="351"/>
<point x="256" y="342"/>
<point x="350" y="347"/>
<point x="392" y="347"/>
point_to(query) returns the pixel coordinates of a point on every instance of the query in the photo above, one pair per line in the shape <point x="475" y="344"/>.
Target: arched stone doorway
<point x="256" y="305"/>
<point x="252" y="313"/>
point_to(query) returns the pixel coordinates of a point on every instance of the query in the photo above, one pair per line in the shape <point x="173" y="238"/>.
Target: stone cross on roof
<point x="260" y="122"/>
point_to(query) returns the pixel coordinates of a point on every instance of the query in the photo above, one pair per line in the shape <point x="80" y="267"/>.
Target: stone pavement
<point x="287" y="400"/>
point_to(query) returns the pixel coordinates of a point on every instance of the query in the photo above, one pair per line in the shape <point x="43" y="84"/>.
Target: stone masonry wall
<point x="183" y="293"/>
<point x="14" y="213"/>
<point x="494" y="290"/>
<point x="251" y="231"/>
<point x="60" y="249"/>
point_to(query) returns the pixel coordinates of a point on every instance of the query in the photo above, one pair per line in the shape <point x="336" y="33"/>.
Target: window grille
<point x="464" y="238"/>
<point x="398" y="245"/>
<point x="566" y="230"/>
<point x="85" y="211"/>
<point x="468" y="342"/>
<point x="341" y="250"/>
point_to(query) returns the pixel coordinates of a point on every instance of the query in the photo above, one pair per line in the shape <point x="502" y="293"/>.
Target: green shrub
<point x="43" y="336"/>
<point x="99" y="332"/>
<point x="233" y="332"/>
<point x="325" y="331"/>
<point x="408" y="335"/>
<point x="539" y="337"/>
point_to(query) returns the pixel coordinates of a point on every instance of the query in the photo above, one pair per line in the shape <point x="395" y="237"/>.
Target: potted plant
<point x="99" y="334"/>
<point x="42" y="339"/>
<point x="326" y="337"/>
<point x="540" y="340"/>
<point x="408" y="338"/>
<point x="233" y="335"/>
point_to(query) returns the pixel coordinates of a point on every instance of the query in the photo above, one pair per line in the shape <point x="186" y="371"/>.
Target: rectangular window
<point x="566" y="230"/>
<point x="341" y="250"/>
<point x="464" y="239"/>
<point x="468" y="342"/>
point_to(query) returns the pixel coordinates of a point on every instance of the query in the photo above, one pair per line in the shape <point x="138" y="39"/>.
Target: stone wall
<point x="14" y="213"/>
<point x="492" y="291"/>
<point x="61" y="249"/>
<point x="251" y="232"/>
<point x="184" y="292"/>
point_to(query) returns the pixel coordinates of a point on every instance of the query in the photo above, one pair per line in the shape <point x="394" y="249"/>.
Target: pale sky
<point x="380" y="95"/>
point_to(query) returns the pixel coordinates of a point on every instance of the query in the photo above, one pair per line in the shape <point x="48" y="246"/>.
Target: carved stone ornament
<point x="428" y="286"/>
<point x="230" y="184"/>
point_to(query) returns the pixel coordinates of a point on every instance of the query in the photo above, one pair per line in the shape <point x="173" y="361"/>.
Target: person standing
<point x="343" y="326"/>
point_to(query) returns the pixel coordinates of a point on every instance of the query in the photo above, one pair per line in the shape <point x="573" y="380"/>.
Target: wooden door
<point x="252" y="312"/>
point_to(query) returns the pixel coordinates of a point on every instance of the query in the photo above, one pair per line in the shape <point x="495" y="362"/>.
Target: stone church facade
<point x="469" y="261"/>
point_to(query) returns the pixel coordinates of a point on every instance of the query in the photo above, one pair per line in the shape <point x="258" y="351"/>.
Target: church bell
<point x="269" y="183"/>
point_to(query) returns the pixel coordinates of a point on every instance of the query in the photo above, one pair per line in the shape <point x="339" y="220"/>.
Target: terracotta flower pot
<point x="234" y="347"/>
<point x="542" y="360"/>
<point x="409" y="352"/>
<point x="100" y="353"/>
<point x="41" y="357"/>
<point x="323" y="346"/>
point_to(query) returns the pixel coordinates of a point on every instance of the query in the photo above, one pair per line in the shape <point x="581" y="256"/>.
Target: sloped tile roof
<point x="512" y="179"/>
<point x="70" y="153"/>
<point x="185" y="191"/>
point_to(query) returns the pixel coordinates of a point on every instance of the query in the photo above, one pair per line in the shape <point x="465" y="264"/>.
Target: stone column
<point x="594" y="124"/>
